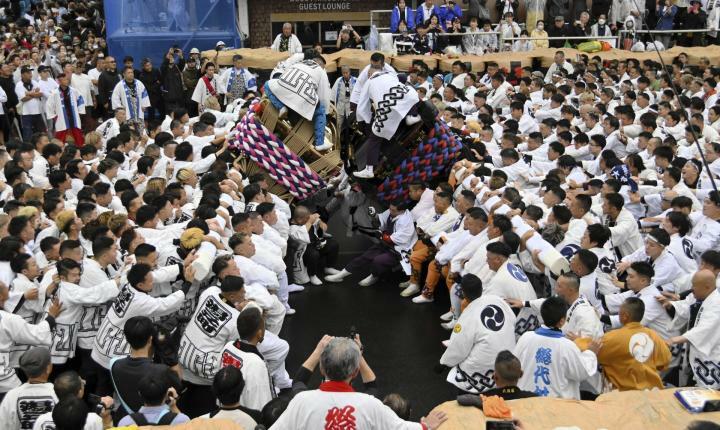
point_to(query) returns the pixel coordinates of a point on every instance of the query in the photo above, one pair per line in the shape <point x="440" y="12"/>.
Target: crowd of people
<point x="146" y="276"/>
<point x="454" y="27"/>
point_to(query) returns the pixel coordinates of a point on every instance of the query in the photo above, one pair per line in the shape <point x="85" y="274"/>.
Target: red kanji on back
<point x="340" y="419"/>
<point x="230" y="359"/>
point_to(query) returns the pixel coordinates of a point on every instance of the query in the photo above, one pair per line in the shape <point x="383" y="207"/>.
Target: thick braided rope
<point x="433" y="157"/>
<point x="283" y="165"/>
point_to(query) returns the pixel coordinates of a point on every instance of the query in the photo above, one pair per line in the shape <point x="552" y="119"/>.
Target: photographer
<point x="159" y="399"/>
<point x="349" y="38"/>
<point x="336" y="400"/>
<point x="305" y="372"/>
<point x="125" y="372"/>
<point x="69" y="385"/>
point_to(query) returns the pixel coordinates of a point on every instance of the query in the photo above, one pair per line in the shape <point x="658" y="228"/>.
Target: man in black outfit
<point x="106" y="84"/>
<point x="127" y="372"/>
<point x="172" y="80"/>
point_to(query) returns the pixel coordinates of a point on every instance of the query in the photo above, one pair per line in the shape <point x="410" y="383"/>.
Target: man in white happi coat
<point x="394" y="103"/>
<point x="236" y="81"/>
<point x="510" y="282"/>
<point x="14" y="330"/>
<point x="77" y="301"/>
<point x="64" y="107"/>
<point x="134" y="300"/>
<point x="335" y="403"/>
<point x="131" y="94"/>
<point x="702" y="336"/>
<point x="553" y="366"/>
<point x="397" y="237"/>
<point x="287" y="41"/>
<point x="244" y="354"/>
<point x="304" y="88"/>
<point x="581" y="318"/>
<point x="111" y="127"/>
<point x="377" y="61"/>
<point x="485" y="327"/>
<point x="207" y="86"/>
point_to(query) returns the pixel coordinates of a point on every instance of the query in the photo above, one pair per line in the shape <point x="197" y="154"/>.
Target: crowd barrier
<point x="266" y="59"/>
<point x="616" y="410"/>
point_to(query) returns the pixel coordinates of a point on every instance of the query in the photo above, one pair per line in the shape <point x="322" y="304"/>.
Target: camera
<point x="95" y="403"/>
<point x="353" y="332"/>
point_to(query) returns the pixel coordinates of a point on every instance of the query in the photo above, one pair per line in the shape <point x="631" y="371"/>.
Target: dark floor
<point x="402" y="340"/>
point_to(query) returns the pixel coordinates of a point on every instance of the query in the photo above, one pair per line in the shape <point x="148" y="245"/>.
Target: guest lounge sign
<point x="326" y="5"/>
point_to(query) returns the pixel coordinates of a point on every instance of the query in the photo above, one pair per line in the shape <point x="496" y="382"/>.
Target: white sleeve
<point x="28" y="334"/>
<point x="94" y="295"/>
<point x="204" y="164"/>
<point x="461" y="343"/>
<point x="581" y="365"/>
<point x="160" y="306"/>
<point x="117" y="98"/>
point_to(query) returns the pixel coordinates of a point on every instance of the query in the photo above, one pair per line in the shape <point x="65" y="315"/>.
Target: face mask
<point x="540" y="26"/>
<point x="55" y="46"/>
<point x="95" y="46"/>
<point x="601" y="21"/>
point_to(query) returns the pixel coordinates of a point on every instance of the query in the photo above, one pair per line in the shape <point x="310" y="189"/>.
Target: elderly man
<point x="287" y="41"/>
<point x="341" y="92"/>
<point x="335" y="402"/>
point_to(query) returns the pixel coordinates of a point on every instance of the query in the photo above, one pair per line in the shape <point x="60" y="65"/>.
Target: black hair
<point x="231" y="284"/>
<point x="249" y="321"/>
<point x="228" y="385"/>
<point x="137" y="273"/>
<point x="472" y="286"/>
<point x="138" y="330"/>
<point x="552" y="310"/>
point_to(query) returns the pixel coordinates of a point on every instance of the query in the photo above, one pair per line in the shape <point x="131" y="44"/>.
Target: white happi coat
<point x="605" y="270"/>
<point x="259" y="389"/>
<point x="202" y="92"/>
<point x="403" y="236"/>
<point x="580" y="318"/>
<point x="704" y="343"/>
<point x="24" y="404"/>
<point x="510" y="282"/>
<point x="553" y="366"/>
<point x="432" y="223"/>
<point x="705" y="234"/>
<point x="212" y="326"/>
<point x="93" y="315"/>
<point x="15" y="330"/>
<point x="302" y="87"/>
<point x="334" y="405"/>
<point x="109" y="129"/>
<point x="392" y="100"/>
<point x="77" y="302"/>
<point x="485" y="327"/>
<point x="121" y="98"/>
<point x="301" y="238"/>
<point x="55" y="109"/>
<point x="362" y="82"/>
<point x="110" y="340"/>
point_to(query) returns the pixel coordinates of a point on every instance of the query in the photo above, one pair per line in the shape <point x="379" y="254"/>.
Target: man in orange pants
<point x="429" y="225"/>
<point x="475" y="221"/>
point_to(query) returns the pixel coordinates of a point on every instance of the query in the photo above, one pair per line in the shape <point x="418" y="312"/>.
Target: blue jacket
<point x="450" y="14"/>
<point x="408" y="14"/>
<point x="419" y="19"/>
<point x="666" y="21"/>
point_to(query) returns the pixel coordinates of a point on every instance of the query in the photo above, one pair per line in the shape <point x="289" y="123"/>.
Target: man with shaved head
<point x="702" y="334"/>
<point x="632" y="356"/>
